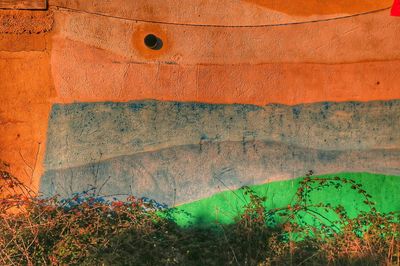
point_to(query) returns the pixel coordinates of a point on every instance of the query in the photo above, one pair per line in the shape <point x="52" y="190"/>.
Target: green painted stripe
<point x="227" y="206"/>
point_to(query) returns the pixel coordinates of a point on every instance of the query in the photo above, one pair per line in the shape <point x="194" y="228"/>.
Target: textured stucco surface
<point x="29" y="22"/>
<point x="85" y="74"/>
<point x="85" y="133"/>
<point x="26" y="87"/>
<point x="225" y="12"/>
<point x="353" y="39"/>
<point x="98" y="58"/>
<point x="216" y="52"/>
<point x="179" y="152"/>
<point x="26" y="90"/>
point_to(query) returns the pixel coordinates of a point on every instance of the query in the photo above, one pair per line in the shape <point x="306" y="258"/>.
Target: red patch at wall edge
<point x="396" y="8"/>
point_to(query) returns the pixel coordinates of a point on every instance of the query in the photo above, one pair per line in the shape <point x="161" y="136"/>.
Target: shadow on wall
<point x="181" y="152"/>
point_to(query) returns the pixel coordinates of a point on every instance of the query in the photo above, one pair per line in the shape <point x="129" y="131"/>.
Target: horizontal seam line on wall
<point x="222" y="26"/>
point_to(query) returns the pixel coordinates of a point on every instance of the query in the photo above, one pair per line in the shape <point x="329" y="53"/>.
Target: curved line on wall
<point x="223" y="26"/>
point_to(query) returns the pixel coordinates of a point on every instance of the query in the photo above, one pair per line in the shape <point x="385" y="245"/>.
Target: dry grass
<point x="85" y="230"/>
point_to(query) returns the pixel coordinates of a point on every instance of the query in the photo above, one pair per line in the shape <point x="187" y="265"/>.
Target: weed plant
<point x="86" y="230"/>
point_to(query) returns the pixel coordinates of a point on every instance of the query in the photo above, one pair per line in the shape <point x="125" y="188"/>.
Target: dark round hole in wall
<point x="153" y="42"/>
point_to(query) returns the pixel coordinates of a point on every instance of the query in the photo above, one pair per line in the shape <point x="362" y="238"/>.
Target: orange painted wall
<point x="26" y="90"/>
<point x="226" y="52"/>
